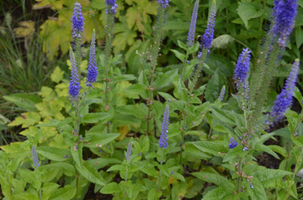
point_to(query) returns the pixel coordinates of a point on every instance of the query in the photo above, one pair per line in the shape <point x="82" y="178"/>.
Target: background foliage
<point x="38" y="85"/>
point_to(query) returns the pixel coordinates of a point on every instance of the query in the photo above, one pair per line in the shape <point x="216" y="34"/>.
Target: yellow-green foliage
<point x="56" y="31"/>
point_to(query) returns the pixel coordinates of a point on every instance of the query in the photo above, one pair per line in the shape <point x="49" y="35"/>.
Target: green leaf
<point x="125" y="119"/>
<point x="299" y="36"/>
<point x="278" y="149"/>
<point x="247" y="11"/>
<point x="215" y="178"/>
<point x="234" y="153"/>
<point x="165" y="79"/>
<point x="90" y="173"/>
<point x="298" y="96"/>
<point x="179" y="55"/>
<point x="265" y="148"/>
<point x="214" y="86"/>
<point x="27" y="119"/>
<point x="48" y="189"/>
<point x="96" y="117"/>
<point x="257" y="192"/>
<point x="97" y="138"/>
<point x="57" y="75"/>
<point x="182" y="45"/>
<point x="53" y="153"/>
<point x="23" y="100"/>
<point x="77" y="153"/>
<point x="222" y="115"/>
<point x="111" y="188"/>
<point x="222" y="41"/>
<point x="267" y="176"/>
<point x="68" y="192"/>
<point x="194" y="151"/>
<point x="218" y="193"/>
<point x="138" y="110"/>
<point x="149" y="169"/>
<point x="193" y="48"/>
<point x="211" y="147"/>
<point x="154" y="194"/>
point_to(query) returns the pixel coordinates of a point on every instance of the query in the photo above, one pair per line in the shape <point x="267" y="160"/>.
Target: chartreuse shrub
<point x="125" y="137"/>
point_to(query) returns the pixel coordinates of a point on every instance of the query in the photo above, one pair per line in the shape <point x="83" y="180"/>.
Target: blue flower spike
<point x="164" y="130"/>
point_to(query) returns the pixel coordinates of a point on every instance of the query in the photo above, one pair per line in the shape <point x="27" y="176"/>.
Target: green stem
<point x="260" y="29"/>
<point x="126" y="174"/>
<point x="240" y="176"/>
<point x="160" y="173"/>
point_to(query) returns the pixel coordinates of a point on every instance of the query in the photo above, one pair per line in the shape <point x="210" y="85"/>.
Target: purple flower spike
<point x="92" y="65"/>
<point x="164" y="130"/>
<point x="77" y="20"/>
<point x="232" y="143"/>
<point x="74" y="85"/>
<point x="209" y="32"/>
<point x="242" y="68"/>
<point x="129" y="151"/>
<point x="192" y="28"/>
<point x="113" y="6"/>
<point x="35" y="157"/>
<point x="284" y="99"/>
<point x="163" y="3"/>
<point x="221" y="97"/>
<point x="284" y="13"/>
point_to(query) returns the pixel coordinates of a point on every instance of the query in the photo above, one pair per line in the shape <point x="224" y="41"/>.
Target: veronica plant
<point x="284" y="13"/>
<point x="153" y="57"/>
<point x="284" y="99"/>
<point x="163" y="139"/>
<point x="111" y="7"/>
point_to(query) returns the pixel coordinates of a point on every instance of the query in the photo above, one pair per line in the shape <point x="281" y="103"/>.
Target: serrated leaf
<point x="165" y="79"/>
<point x="111" y="188"/>
<point x="96" y="117"/>
<point x="210" y="147"/>
<point x="23" y="100"/>
<point x="67" y="192"/>
<point x="153" y="194"/>
<point x="57" y="75"/>
<point x="99" y="138"/>
<point x="299" y="36"/>
<point x="267" y="176"/>
<point x="214" y="86"/>
<point x="77" y="153"/>
<point x="215" y="178"/>
<point x="218" y="193"/>
<point x="90" y="173"/>
<point x="53" y="153"/>
<point x="247" y="11"/>
<point x="234" y="153"/>
<point x="222" y="41"/>
<point x="223" y="116"/>
<point x="27" y="119"/>
<point x="179" y="55"/>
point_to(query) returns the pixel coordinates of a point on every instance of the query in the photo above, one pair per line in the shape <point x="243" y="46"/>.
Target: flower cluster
<point x="284" y="13"/>
<point x="129" y="151"/>
<point x="92" y="65"/>
<point x="209" y="32"/>
<point x="232" y="143"/>
<point x="112" y="6"/>
<point x="74" y="85"/>
<point x="35" y="157"/>
<point x="192" y="28"/>
<point x="221" y="97"/>
<point x="284" y="99"/>
<point x="164" y="130"/>
<point x="77" y="20"/>
<point x="242" y="68"/>
<point x="163" y="3"/>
